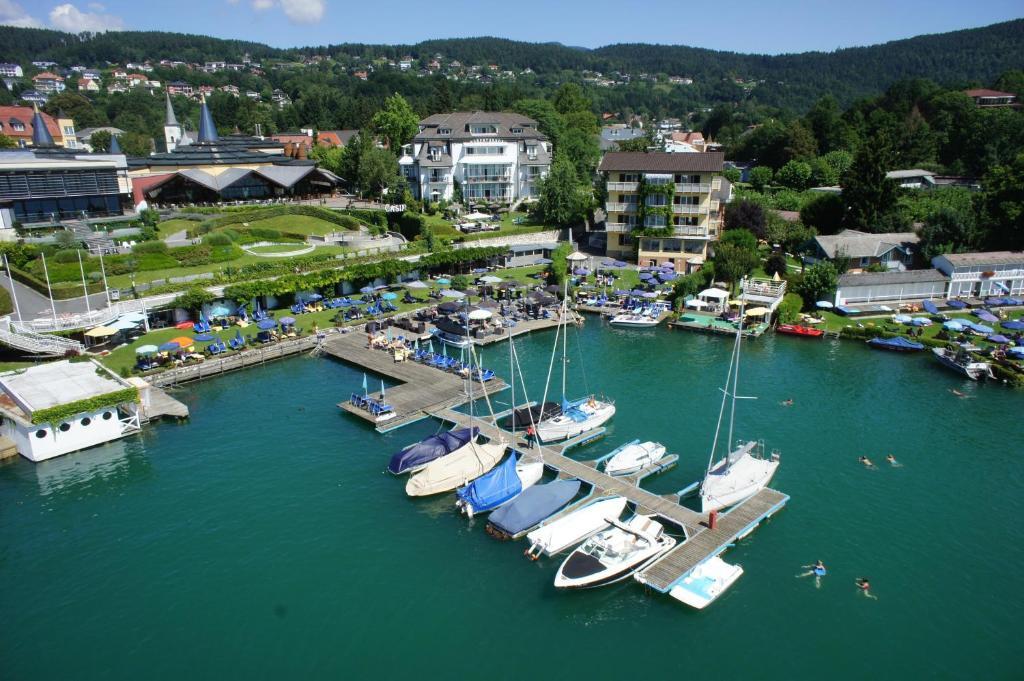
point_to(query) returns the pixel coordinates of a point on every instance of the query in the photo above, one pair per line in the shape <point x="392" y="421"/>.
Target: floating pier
<point x="421" y="390"/>
<point x="708" y="324"/>
<point x="700" y="542"/>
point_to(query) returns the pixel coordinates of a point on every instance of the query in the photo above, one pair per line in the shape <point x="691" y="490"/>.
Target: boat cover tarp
<point x="1014" y="326"/>
<point x="953" y="325"/>
<point x="494" y="488"/>
<point x="897" y="343"/>
<point x="450" y="326"/>
<point x="534" y="505"/>
<point x="986" y="316"/>
<point x="520" y="419"/>
<point x="997" y="338"/>
<point x="977" y="328"/>
<point x="956" y="304"/>
<point x="431" y="448"/>
<point x="929" y="307"/>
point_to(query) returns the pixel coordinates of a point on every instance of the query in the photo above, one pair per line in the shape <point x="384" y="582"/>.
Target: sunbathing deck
<point x="709" y="324"/>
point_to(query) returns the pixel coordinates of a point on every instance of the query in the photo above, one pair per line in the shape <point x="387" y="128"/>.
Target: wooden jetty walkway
<point x="700" y="542"/>
<point x="422" y="389"/>
<point x="254" y="356"/>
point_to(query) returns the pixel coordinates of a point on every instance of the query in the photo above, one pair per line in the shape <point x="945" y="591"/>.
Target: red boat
<point x="798" y="330"/>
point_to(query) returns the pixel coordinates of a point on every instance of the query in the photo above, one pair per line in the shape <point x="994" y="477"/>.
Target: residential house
<point x="230" y="89"/>
<point x="48" y="83"/>
<point x="119" y="74"/>
<point x="44" y="64"/>
<point x="84" y="136"/>
<point x="32" y="96"/>
<point x="179" y="87"/>
<point x="893" y="251"/>
<point x="493" y="156"/>
<point x="335" y="138"/>
<point x="252" y="94"/>
<point x="361" y="75"/>
<point x="661" y="207"/>
<point x="88" y="85"/>
<point x="992" y="98"/>
<point x="92" y="74"/>
<point x="214" y="66"/>
<point x="11" y="71"/>
<point x="117" y="86"/>
<point x="979" y="275"/>
<point x="611" y="135"/>
<point x="894" y="286"/>
<point x="204" y="90"/>
<point x="915" y="178"/>
<point x="685" y="142"/>
<point x="16" y="122"/>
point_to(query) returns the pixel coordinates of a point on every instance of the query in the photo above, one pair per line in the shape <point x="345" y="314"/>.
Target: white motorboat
<point x="744" y="471"/>
<point x="706" y="583"/>
<point x="465" y="464"/>
<point x="634" y="320"/>
<point x="576" y="418"/>
<point x="633" y="457"/>
<point x="571" y="529"/>
<point x="962" y="363"/>
<point x="614" y="554"/>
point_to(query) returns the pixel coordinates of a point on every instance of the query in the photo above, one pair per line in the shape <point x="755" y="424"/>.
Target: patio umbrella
<point x="953" y="325"/>
<point x="1014" y="326"/>
<point x="443" y="281"/>
<point x="266" y="324"/>
<point x="388" y="296"/>
<point x="415" y="284"/>
<point x="581" y="271"/>
<point x="366" y="289"/>
<point x="487" y="302"/>
<point x="506" y="285"/>
<point x="902" y="318"/>
<point x="478" y="315"/>
<point x="986" y="316"/>
<point x="757" y="312"/>
<point x="491" y="279"/>
<point x="667" y="276"/>
<point x="670" y="265"/>
<point x="450" y="306"/>
<point x="637" y="292"/>
<point x="450" y="293"/>
<point x="169" y="346"/>
<point x="620" y="292"/>
<point x="997" y="338"/>
<point x="649" y="294"/>
<point x="146" y="349"/>
<point x="183" y="341"/>
<point x="644" y="276"/>
<point x="314" y="297"/>
<point x="203" y="338"/>
<point x="287" y="321"/>
<point x="220" y="311"/>
<point x="824" y="305"/>
<point x="101" y="332"/>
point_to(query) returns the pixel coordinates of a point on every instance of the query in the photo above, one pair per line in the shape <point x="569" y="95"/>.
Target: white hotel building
<point x="495" y="157"/>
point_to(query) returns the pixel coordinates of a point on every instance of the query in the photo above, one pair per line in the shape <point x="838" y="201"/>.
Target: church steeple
<point x="171" y="118"/>
<point x="207" y="130"/>
<point x="172" y="130"/>
<point x="41" y="136"/>
<point x="115" y="146"/>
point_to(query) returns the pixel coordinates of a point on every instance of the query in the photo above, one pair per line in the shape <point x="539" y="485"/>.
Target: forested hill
<point x="972" y="56"/>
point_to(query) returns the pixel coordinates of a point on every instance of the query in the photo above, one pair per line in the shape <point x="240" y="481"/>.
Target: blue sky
<point x="741" y="25"/>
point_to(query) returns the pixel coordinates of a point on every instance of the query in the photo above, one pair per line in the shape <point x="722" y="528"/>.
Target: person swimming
<point x="787" y="403"/>
<point x="892" y="461"/>
<point x="864" y="586"/>
<point x="957" y="392"/>
<point x="817" y="569"/>
<point x="867" y="462"/>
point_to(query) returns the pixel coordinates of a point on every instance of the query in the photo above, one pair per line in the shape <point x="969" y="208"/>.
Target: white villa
<point x="110" y="408"/>
<point x="495" y="157"/>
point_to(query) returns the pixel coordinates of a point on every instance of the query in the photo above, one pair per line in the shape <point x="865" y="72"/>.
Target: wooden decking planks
<point x="675" y="564"/>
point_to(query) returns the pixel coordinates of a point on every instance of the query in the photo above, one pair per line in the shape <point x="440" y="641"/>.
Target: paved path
<point x="34" y="305"/>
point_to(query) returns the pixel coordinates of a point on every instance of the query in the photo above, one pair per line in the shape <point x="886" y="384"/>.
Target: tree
<point x="761" y="177"/>
<point x="641" y="143"/>
<point x="100" y="140"/>
<point x="819" y="282"/>
<point x="570" y="98"/>
<point x="824" y="212"/>
<point x="582" y="151"/>
<point x="549" y="121"/>
<point x="733" y="262"/>
<point x="397" y="123"/>
<point x="329" y="158"/>
<point x="743" y="238"/>
<point x="827" y="170"/>
<point x="745" y="214"/>
<point x="948" y="230"/>
<point x="795" y="175"/>
<point x="1002" y="206"/>
<point x="801" y="145"/>
<point x="378" y="170"/>
<point x="135" y="144"/>
<point x="7" y="142"/>
<point x="776" y="264"/>
<point x="867" y="194"/>
<point x="732" y="174"/>
<point x="75" y="106"/>
<point x="563" y="201"/>
<point x="193" y="298"/>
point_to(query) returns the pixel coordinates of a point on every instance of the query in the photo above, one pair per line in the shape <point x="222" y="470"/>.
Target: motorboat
<point x="460" y="467"/>
<point x="800" y="330"/>
<point x="500" y="486"/>
<point x="706" y="582"/>
<point x="531" y="508"/>
<point x="744" y="471"/>
<point x="633" y="457"/>
<point x="577" y="417"/>
<point x="418" y="455"/>
<point x="961" y="362"/>
<point x="896" y="344"/>
<point x="632" y="319"/>
<point x="614" y="554"/>
<point x="569" y="530"/>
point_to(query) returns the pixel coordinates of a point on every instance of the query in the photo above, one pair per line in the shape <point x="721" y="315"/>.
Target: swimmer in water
<point x="787" y="403"/>
<point x="893" y="462"/>
<point x="867" y="462"/>
<point x="864" y="586"/>
<point x="818" y="570"/>
<point x="957" y="392"/>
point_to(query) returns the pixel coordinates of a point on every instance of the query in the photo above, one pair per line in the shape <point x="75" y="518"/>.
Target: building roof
<point x="46" y="75"/>
<point x="338" y="138"/>
<point x="893" y="277"/>
<point x="908" y="174"/>
<point x="85" y="133"/>
<point x="459" y="123"/>
<point x="611" y="135"/>
<point x="854" y="244"/>
<point x="983" y="259"/>
<point x="48" y="385"/>
<point x="984" y="92"/>
<point x="23" y="115"/>
<point x="662" y="162"/>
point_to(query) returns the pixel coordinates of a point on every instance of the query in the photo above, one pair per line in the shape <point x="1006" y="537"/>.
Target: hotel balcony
<point x="688" y="209"/>
<point x="617" y="227"/>
<point x="693" y="188"/>
<point x="623" y="186"/>
<point x="691" y="231"/>
<point x="620" y="207"/>
<point x="505" y="177"/>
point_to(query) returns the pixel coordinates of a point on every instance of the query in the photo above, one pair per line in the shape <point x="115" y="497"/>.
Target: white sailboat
<point x="571" y="529"/>
<point x="463" y="465"/>
<point x="633" y="457"/>
<point x="580" y="415"/>
<point x="614" y="554"/>
<point x="744" y="471"/>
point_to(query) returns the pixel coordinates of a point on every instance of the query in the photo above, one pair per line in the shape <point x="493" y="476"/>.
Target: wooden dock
<point x="421" y="390"/>
<point x="253" y="356"/>
<point x="700" y="542"/>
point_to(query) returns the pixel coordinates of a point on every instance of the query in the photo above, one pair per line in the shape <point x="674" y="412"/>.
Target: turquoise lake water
<point x="262" y="540"/>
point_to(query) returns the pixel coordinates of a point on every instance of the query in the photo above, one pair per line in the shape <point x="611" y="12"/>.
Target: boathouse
<point x="890" y="287"/>
<point x="979" y="275"/>
<point x="52" y="409"/>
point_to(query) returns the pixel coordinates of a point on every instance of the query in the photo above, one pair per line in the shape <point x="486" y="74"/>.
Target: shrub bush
<point x="219" y="238"/>
<point x="150" y="247"/>
<point x="67" y="255"/>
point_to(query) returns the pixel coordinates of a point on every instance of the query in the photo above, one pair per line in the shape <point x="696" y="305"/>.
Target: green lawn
<point x="176" y="225"/>
<point x="446" y="228"/>
<point x="836" y="322"/>
<point x="297" y="224"/>
<point x="278" y="248"/>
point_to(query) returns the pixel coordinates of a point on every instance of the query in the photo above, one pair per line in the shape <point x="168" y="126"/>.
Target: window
<point x="18" y="126"/>
<point x="497" y="150"/>
<point x="65" y="427"/>
<point x="41" y="433"/>
<point x="627" y="177"/>
<point x="444" y="131"/>
<point x="517" y="131"/>
<point x="69" y="130"/>
<point x="107" y="416"/>
<point x="484" y="129"/>
<point x="531" y="152"/>
<point x="86" y="421"/>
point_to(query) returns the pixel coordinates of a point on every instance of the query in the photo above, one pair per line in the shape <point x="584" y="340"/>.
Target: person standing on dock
<point x="531" y="435"/>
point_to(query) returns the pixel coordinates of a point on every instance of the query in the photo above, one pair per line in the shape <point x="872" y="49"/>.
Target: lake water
<point x="261" y="540"/>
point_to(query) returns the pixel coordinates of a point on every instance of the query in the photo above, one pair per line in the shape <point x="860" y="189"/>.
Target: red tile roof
<point x="47" y="75"/>
<point x="661" y="162"/>
<point x="983" y="92"/>
<point x="24" y="115"/>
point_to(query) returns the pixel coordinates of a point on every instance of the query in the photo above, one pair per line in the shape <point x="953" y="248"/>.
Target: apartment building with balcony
<point x="495" y="157"/>
<point x="662" y="207"/>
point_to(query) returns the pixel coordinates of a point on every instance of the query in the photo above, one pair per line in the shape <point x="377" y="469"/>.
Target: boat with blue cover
<point x="531" y="508"/>
<point x="897" y="344"/>
<point x="418" y="455"/>
<point x="500" y="486"/>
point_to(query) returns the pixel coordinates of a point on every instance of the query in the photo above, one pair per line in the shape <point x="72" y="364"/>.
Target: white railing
<point x="691" y="231"/>
<point x="996" y="274"/>
<point x="620" y="207"/>
<point x="617" y="227"/>
<point x="690" y="188"/>
<point x="764" y="287"/>
<point x="688" y="209"/>
<point x="623" y="186"/>
<point x="40" y="344"/>
<point x="67" y="321"/>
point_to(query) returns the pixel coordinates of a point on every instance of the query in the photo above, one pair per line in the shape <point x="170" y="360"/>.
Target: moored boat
<point x="571" y="529"/>
<point x="800" y="330"/>
<point x="614" y="554"/>
<point x="634" y="320"/>
<point x="418" y="455"/>
<point x="501" y="485"/>
<point x="633" y="457"/>
<point x="458" y="468"/>
<point x="961" y="362"/>
<point x="705" y="583"/>
<point x="897" y="344"/>
<point x="531" y="508"/>
<point x="578" y="416"/>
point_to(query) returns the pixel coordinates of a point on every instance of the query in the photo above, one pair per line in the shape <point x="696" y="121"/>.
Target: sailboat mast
<point x="512" y="374"/>
<point x="735" y="382"/>
<point x="469" y="391"/>
<point x="565" y="329"/>
<point x="721" y="409"/>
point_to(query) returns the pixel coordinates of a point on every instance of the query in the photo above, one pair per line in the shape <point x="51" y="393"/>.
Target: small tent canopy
<point x="715" y="293"/>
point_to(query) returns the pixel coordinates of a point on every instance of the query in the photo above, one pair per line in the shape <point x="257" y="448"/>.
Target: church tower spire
<point x="172" y="129"/>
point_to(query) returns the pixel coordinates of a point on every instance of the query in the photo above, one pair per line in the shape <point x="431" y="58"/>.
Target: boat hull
<point x="634" y="458"/>
<point x="798" y="330"/>
<point x="635" y="321"/>
<point x="563" y="426"/>
<point x="528" y="473"/>
<point x="972" y="370"/>
<point x="745" y="478"/>
<point x="607" y="576"/>
<point x="575" y="527"/>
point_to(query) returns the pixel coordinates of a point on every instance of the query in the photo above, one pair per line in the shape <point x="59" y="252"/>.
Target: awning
<point x="757" y="312"/>
<point x="716" y="293"/>
<point x="101" y="332"/>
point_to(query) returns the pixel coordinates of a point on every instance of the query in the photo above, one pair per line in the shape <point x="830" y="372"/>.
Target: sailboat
<point x="580" y="415"/>
<point x="744" y="471"/>
<point x="461" y="466"/>
<point x="569" y="530"/>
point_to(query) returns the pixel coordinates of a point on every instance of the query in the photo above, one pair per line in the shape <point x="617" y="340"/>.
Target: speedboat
<point x="465" y="464"/>
<point x="570" y="530"/>
<point x="577" y="417"/>
<point x="614" y="554"/>
<point x="501" y="485"/>
<point x="962" y="363"/>
<point x="706" y="582"/>
<point x="743" y="473"/>
<point x="635" y="320"/>
<point x="416" y="456"/>
<point x="633" y="457"/>
<point x="799" y="330"/>
<point x="531" y="508"/>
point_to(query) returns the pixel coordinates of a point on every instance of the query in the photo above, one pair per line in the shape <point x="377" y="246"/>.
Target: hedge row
<point x="62" y="412"/>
